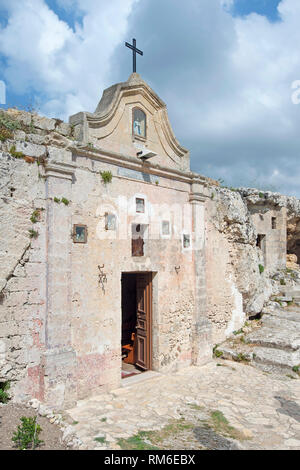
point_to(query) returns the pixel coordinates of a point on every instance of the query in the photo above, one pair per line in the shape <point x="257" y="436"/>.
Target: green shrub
<point x="35" y="217"/>
<point x="65" y="201"/>
<point x="238" y="332"/>
<point x="33" y="233"/>
<point x="8" y="123"/>
<point x="5" y="134"/>
<point x="4" y="396"/>
<point x="261" y="268"/>
<point x="102" y="440"/>
<point x="241" y="358"/>
<point x="217" y="352"/>
<point x="16" y="154"/>
<point x="27" y="435"/>
<point x="58" y="201"/>
<point x="106" y="176"/>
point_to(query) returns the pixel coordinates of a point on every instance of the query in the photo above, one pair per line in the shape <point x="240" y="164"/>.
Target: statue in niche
<point x="139" y="123"/>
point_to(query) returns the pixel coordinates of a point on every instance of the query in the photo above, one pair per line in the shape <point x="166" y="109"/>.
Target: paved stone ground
<point x="263" y="409"/>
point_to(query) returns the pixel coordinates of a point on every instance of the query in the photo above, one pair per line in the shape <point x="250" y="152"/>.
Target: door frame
<point x="149" y="313"/>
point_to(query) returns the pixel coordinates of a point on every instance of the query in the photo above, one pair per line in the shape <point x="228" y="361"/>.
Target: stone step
<point x="282" y="335"/>
<point x="232" y="354"/>
<point x="276" y="357"/>
<point x="282" y="298"/>
<point x="281" y="314"/>
<point x="292" y="293"/>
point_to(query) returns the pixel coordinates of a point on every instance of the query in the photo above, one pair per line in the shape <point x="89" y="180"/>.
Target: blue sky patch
<point x="266" y="8"/>
<point x="71" y="15"/>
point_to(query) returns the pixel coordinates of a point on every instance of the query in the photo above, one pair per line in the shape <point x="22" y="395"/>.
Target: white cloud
<point x="46" y="55"/>
<point x="227" y="80"/>
<point x="228" y="86"/>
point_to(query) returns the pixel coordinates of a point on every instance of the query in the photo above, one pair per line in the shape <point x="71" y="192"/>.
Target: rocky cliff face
<point x="239" y="285"/>
<point x="236" y="286"/>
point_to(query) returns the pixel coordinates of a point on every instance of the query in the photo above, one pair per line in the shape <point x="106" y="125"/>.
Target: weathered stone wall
<point x="287" y="209"/>
<point x="235" y="287"/>
<point x="269" y="216"/>
<point x="22" y="260"/>
<point x="60" y="330"/>
<point x="96" y="323"/>
<point x="25" y="145"/>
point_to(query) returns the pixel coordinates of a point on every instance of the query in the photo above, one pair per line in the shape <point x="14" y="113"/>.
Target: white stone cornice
<point x="132" y="163"/>
<point x="196" y="198"/>
<point x="60" y="170"/>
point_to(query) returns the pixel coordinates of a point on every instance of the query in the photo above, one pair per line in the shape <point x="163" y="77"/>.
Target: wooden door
<point x="144" y="320"/>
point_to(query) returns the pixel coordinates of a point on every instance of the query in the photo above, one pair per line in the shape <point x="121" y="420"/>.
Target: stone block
<point x="60" y="380"/>
<point x="43" y="123"/>
<point x="64" y="128"/>
<point x="19" y="135"/>
<point x="31" y="150"/>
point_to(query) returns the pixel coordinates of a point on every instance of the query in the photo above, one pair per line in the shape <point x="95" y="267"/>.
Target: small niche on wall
<point x="186" y="241"/>
<point x="165" y="228"/>
<point x="110" y="222"/>
<point x="79" y="233"/>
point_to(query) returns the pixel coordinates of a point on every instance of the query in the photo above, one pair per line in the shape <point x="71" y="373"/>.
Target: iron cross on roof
<point x="134" y="52"/>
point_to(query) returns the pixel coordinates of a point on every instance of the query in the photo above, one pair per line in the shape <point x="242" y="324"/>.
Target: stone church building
<point x="111" y="262"/>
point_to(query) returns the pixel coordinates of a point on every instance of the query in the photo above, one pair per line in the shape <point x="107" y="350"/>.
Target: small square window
<point x="110" y="222"/>
<point x="80" y="234"/>
<point x="186" y="241"/>
<point x="140" y="205"/>
<point x="166" y="227"/>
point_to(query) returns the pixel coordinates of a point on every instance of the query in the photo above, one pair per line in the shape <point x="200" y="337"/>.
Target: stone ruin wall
<point x="26" y="140"/>
<point x="236" y="289"/>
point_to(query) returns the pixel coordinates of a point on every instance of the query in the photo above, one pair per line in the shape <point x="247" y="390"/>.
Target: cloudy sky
<point x="225" y="68"/>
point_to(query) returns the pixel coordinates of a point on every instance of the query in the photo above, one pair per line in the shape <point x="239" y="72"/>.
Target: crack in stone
<point x="11" y="274"/>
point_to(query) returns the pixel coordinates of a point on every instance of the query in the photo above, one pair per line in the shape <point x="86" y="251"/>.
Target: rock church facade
<point x="115" y="256"/>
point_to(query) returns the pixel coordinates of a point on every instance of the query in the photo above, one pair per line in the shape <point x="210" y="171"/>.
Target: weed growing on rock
<point x="33" y="233"/>
<point x="4" y="396"/>
<point x="35" y="217"/>
<point x="106" y="176"/>
<point x="65" y="201"/>
<point x="261" y="268"/>
<point x="16" y="154"/>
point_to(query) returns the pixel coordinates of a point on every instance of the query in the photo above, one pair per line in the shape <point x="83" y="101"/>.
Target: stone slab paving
<point x="263" y="407"/>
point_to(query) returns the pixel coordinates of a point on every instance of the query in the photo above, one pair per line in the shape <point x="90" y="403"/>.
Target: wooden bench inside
<point x="128" y="351"/>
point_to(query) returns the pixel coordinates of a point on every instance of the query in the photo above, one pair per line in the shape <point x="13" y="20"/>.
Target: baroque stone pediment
<point x="111" y="125"/>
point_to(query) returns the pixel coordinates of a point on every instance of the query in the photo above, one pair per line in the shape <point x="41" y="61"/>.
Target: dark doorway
<point x="136" y="322"/>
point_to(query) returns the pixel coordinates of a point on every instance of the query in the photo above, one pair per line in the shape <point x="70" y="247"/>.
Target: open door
<point x="136" y="321"/>
<point x="143" y="327"/>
